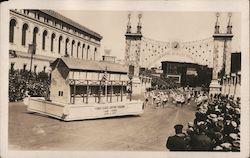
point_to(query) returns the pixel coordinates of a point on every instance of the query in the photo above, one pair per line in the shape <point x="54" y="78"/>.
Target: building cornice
<point x="54" y="27"/>
<point x="71" y="22"/>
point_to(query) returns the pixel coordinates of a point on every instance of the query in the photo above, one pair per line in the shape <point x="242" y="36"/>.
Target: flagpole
<point x="106" y="86"/>
<point x="32" y="49"/>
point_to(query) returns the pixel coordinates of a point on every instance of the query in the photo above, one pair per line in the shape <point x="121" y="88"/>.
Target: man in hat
<point x="177" y="142"/>
<point x="201" y="142"/>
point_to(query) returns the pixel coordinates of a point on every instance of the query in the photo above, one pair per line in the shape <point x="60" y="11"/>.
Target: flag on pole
<point x="31" y="49"/>
<point x="104" y="79"/>
<point x="105" y="75"/>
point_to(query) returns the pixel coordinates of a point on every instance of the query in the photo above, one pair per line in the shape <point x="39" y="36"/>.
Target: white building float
<point x="84" y="89"/>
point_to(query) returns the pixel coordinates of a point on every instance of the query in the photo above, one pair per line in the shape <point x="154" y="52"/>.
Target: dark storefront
<point x="190" y="74"/>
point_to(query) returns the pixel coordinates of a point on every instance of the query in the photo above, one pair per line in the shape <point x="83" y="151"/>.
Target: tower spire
<point x="229" y="25"/>
<point x="139" y="24"/>
<point x="217" y="26"/>
<point x="129" y="24"/>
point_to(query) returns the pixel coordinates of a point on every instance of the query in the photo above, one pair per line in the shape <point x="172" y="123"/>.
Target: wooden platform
<point x="70" y="112"/>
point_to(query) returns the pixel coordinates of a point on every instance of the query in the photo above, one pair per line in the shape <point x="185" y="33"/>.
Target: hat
<point x="233" y="136"/>
<point x="218" y="148"/>
<point x="236" y="143"/>
<point x="211" y="103"/>
<point x="228" y="117"/>
<point x="212" y="116"/>
<point x="234" y="124"/>
<point x="226" y="145"/>
<point x="228" y="106"/>
<point x="178" y="126"/>
<point x="190" y="124"/>
<point x="218" y="135"/>
<point x="220" y="118"/>
<point x="200" y="123"/>
<point x="237" y="110"/>
<point x="217" y="110"/>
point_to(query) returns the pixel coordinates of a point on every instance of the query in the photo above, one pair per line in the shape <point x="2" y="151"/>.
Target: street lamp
<point x="130" y="83"/>
<point x="31" y="50"/>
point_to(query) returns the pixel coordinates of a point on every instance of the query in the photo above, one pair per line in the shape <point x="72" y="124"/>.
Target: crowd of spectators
<point x="216" y="127"/>
<point x="23" y="83"/>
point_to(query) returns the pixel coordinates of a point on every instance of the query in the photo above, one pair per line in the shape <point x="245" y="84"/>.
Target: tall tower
<point x="132" y="54"/>
<point x="133" y="47"/>
<point x="221" y="55"/>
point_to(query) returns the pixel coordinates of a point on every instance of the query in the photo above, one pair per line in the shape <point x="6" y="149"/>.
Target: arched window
<point x="78" y="45"/>
<point x="24" y="31"/>
<point x="59" y="44"/>
<point x="53" y="36"/>
<point x="72" y="47"/>
<point x="12" y="30"/>
<point x="83" y="47"/>
<point x="66" y="46"/>
<point x="35" y="31"/>
<point x="26" y="12"/>
<point x="95" y="52"/>
<point x="44" y="39"/>
<point x="87" y="57"/>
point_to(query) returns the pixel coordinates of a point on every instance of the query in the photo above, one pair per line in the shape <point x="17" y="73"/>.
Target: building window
<point x="53" y="36"/>
<point x="26" y="12"/>
<point x="24" y="32"/>
<point x="35" y="67"/>
<point x="83" y="46"/>
<point x="87" y="57"/>
<point x="24" y="66"/>
<point x="59" y="44"/>
<point x="46" y="20"/>
<point x="44" y="39"/>
<point x="72" y="47"/>
<point x="66" y="46"/>
<point x="95" y="52"/>
<point x="60" y="93"/>
<point x="35" y="31"/>
<point x="12" y="30"/>
<point x="78" y="45"/>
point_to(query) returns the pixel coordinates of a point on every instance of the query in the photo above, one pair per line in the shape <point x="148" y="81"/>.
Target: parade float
<point x="85" y="89"/>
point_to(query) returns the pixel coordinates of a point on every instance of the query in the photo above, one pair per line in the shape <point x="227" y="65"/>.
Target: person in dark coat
<point x="177" y="142"/>
<point x="201" y="142"/>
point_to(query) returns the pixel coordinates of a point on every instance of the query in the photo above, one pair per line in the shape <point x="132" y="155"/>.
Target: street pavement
<point x="147" y="132"/>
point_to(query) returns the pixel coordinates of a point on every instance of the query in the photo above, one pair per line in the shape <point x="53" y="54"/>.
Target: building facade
<point x="52" y="36"/>
<point x="231" y="83"/>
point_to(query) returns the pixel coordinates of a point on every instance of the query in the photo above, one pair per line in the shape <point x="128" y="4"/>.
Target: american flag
<point x="105" y="75"/>
<point x="31" y="49"/>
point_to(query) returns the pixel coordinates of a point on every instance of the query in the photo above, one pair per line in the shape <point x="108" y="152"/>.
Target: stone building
<point x="53" y="36"/>
<point x="231" y="83"/>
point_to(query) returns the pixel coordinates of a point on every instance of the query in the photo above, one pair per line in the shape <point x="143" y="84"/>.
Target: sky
<point x="161" y="26"/>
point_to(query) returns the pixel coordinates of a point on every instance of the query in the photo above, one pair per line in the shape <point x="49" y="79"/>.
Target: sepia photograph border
<point x="241" y="6"/>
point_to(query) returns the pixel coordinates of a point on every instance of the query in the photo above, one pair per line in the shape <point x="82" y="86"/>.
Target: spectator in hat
<point x="177" y="142"/>
<point x="201" y="142"/>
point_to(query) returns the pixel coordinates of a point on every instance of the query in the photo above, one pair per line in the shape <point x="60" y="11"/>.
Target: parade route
<point x="147" y="132"/>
